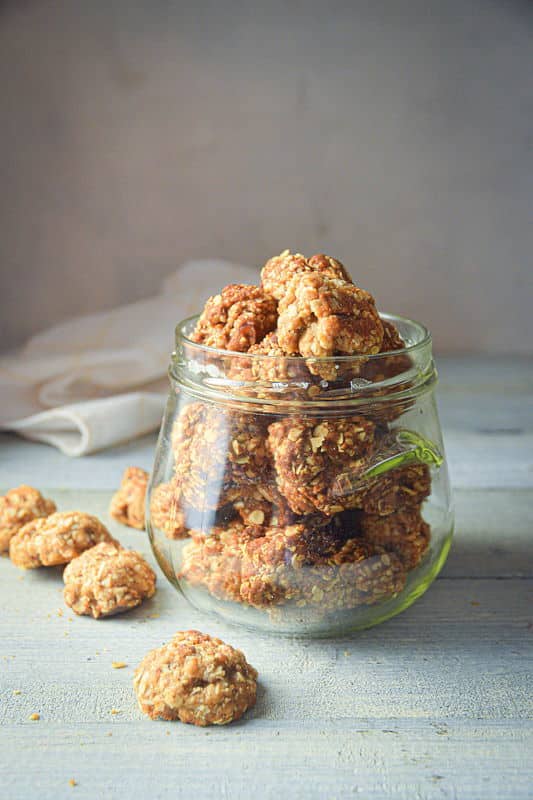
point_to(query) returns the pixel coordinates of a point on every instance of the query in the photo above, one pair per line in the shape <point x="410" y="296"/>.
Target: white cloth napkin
<point x="97" y="380"/>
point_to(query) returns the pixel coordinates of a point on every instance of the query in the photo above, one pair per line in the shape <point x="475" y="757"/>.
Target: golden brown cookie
<point x="57" y="539"/>
<point x="323" y="317"/>
<point x="166" y="510"/>
<point x="107" y="580"/>
<point x="288" y="565"/>
<point x="127" y="504"/>
<point x="19" y="506"/>
<point x="310" y="453"/>
<point x="217" y="450"/>
<point x="237" y="318"/>
<point x="404" y="487"/>
<point x="403" y="532"/>
<point x="280" y="270"/>
<point x="197" y="679"/>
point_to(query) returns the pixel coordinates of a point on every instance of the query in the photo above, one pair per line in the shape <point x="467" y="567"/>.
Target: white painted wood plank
<point x="333" y="759"/>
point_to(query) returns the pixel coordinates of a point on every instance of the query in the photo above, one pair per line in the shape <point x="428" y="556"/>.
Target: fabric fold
<point x="92" y="382"/>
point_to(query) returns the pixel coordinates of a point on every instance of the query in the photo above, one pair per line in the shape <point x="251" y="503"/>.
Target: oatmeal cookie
<point x="57" y="539"/>
<point x="309" y="454"/>
<point x="404" y="533"/>
<point x="167" y="512"/>
<point x="19" y="506"/>
<point x="281" y="567"/>
<point x="107" y="580"/>
<point x="323" y="317"/>
<point x="224" y="450"/>
<point x="405" y="487"/>
<point x="197" y="679"/>
<point x="127" y="504"/>
<point x="263" y="505"/>
<point x="384" y="368"/>
<point x="280" y="270"/>
<point x="214" y="560"/>
<point x="237" y="318"/>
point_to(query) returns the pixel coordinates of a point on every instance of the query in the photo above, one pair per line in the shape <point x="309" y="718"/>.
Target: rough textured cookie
<point x="19" y="506"/>
<point x="263" y="505"/>
<point x="280" y="270"/>
<point x="405" y="487"/>
<point x="379" y="369"/>
<point x="222" y="450"/>
<point x="315" y="563"/>
<point x="267" y="372"/>
<point x="167" y="512"/>
<point x="237" y="318"/>
<point x="214" y="559"/>
<point x="323" y="317"/>
<point x="197" y="679"/>
<point x="309" y="454"/>
<point x="57" y="539"/>
<point x="280" y="567"/>
<point x="127" y="504"/>
<point x="404" y="533"/>
<point x="183" y="431"/>
<point x="107" y="580"/>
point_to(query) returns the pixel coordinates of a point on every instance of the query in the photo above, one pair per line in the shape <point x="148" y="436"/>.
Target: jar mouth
<point x="415" y="335"/>
<point x="315" y="384"/>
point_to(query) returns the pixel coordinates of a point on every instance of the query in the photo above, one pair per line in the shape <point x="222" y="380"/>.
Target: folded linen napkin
<point x="97" y="380"/>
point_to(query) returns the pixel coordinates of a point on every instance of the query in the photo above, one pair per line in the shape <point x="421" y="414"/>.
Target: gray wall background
<point x="396" y="135"/>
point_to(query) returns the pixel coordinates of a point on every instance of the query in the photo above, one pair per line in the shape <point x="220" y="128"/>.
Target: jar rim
<point x="422" y="340"/>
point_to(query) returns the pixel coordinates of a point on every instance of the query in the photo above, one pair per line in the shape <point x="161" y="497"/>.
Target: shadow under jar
<point x="301" y="496"/>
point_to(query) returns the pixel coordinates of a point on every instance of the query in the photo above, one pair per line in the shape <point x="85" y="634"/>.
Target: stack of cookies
<point x="275" y="498"/>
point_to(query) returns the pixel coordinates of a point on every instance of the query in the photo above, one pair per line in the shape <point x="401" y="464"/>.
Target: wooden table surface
<point x="435" y="703"/>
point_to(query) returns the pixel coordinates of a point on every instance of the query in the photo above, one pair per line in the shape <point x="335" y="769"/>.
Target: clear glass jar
<point x="301" y="496"/>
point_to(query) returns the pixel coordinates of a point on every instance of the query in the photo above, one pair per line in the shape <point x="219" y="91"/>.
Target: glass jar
<point x="301" y="496"/>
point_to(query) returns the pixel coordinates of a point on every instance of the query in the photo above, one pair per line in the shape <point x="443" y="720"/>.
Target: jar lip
<point x="422" y="339"/>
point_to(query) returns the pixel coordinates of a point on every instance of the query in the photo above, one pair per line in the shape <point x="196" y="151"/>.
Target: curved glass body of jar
<point x="301" y="496"/>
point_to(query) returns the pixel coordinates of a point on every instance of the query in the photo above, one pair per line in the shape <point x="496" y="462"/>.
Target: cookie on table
<point x="309" y="454"/>
<point x="322" y="317"/>
<point x="107" y="580"/>
<point x="56" y="539"/>
<point x="280" y="270"/>
<point x="237" y="318"/>
<point x="403" y="532"/>
<point x="127" y="504"/>
<point x="19" y="506"/>
<point x="197" y="679"/>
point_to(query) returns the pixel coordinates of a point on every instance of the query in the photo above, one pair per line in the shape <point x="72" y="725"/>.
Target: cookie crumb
<point x="17" y="691"/>
<point x="35" y="717"/>
<point x="115" y="711"/>
<point x="118" y="664"/>
<point x="72" y="782"/>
